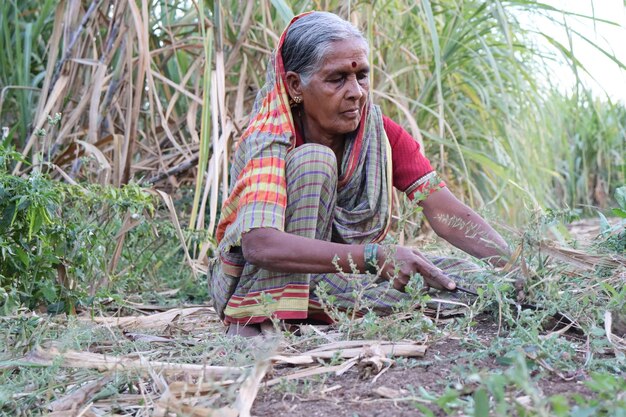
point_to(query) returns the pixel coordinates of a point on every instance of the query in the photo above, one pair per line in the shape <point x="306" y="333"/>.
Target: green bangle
<point x="371" y="258"/>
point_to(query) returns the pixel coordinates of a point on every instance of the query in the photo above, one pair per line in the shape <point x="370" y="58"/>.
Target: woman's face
<point x="333" y="98"/>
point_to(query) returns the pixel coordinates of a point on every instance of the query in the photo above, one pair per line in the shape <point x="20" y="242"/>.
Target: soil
<point x="349" y="395"/>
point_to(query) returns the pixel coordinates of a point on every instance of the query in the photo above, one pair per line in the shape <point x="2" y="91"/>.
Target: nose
<point x="354" y="89"/>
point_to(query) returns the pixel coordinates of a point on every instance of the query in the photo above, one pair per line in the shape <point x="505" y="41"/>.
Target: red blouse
<point x="412" y="171"/>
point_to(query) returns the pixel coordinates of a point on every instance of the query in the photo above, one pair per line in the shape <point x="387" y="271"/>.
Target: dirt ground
<point x="391" y="394"/>
<point x="349" y="395"/>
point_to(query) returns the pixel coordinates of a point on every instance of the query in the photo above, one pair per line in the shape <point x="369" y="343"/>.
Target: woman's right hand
<point x="402" y="263"/>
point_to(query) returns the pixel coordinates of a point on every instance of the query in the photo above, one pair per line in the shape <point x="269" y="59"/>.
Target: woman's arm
<point x="464" y="228"/>
<point x="278" y="251"/>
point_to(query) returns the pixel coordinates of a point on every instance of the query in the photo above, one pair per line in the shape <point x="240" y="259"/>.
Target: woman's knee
<point x="311" y="158"/>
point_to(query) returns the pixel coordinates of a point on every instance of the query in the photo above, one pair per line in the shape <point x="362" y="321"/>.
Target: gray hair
<point x="309" y="39"/>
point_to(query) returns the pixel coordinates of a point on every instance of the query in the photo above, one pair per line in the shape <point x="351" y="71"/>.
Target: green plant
<point x="62" y="244"/>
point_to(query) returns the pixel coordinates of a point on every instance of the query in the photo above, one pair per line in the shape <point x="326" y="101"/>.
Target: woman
<point x="311" y="191"/>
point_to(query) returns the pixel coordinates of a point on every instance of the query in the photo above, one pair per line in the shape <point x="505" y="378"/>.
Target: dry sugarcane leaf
<point x="73" y="151"/>
<point x="359" y="349"/>
<point x="330" y="389"/>
<point x="346" y="344"/>
<point x="250" y="388"/>
<point x="86" y="412"/>
<point x="150" y="338"/>
<point x="94" y="105"/>
<point x="390" y="393"/>
<point x="80" y="396"/>
<point x="400" y="349"/>
<point x="182" y="389"/>
<point x="53" y="98"/>
<point x="614" y="340"/>
<point x="166" y="407"/>
<point x="152" y="321"/>
<point x="127" y="225"/>
<point x="178" y="87"/>
<point x="89" y="360"/>
<point x="169" y="203"/>
<point x="293" y="360"/>
<point x="102" y="160"/>
<point x="580" y="259"/>
<point x="318" y="370"/>
<point x="157" y="307"/>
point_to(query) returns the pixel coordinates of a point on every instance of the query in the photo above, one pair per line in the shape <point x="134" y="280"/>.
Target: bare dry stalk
<point x="155" y="321"/>
<point x="87" y="360"/>
<point x="79" y="397"/>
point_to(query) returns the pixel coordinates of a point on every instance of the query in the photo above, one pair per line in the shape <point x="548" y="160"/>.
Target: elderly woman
<point x="311" y="187"/>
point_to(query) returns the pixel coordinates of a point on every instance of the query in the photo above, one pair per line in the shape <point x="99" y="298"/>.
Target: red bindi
<point x="353" y="64"/>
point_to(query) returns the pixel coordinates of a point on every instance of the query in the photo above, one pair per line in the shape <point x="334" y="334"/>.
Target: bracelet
<point x="371" y="259"/>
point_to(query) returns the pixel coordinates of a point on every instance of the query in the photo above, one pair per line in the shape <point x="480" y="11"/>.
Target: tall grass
<point x="158" y="91"/>
<point x="593" y="133"/>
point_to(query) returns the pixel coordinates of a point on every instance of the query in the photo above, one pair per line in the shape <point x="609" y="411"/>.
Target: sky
<point x="606" y="78"/>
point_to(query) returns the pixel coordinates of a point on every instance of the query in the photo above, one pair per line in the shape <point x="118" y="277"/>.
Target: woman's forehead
<point x="347" y="54"/>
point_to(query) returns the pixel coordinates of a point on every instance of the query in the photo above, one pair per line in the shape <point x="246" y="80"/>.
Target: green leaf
<point x="56" y="308"/>
<point x="505" y="360"/>
<point x="283" y="9"/>
<point x="49" y="291"/>
<point x="605" y="226"/>
<point x="23" y="256"/>
<point x="619" y="213"/>
<point x="481" y="403"/>
<point x="560" y="405"/>
<point x="424" y="410"/>
<point x="447" y="397"/>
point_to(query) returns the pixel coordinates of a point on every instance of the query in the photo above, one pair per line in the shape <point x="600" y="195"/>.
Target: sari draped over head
<point x="258" y="197"/>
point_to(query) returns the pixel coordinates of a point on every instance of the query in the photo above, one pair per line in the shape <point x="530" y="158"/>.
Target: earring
<point x="294" y="101"/>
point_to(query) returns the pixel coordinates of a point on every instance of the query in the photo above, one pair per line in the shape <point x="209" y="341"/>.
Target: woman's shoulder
<point x="397" y="134"/>
<point x="391" y="127"/>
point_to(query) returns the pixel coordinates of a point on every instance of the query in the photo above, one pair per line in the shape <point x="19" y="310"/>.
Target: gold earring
<point x="294" y="101"/>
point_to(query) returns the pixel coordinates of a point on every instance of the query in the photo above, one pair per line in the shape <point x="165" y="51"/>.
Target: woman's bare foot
<point x="250" y="330"/>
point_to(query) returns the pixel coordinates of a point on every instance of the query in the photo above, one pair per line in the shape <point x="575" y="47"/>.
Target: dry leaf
<point x="391" y="393"/>
<point x="616" y="341"/>
<point x="80" y="396"/>
<point x="158" y="320"/>
<point x="89" y="360"/>
<point x="250" y="388"/>
<point x="150" y="338"/>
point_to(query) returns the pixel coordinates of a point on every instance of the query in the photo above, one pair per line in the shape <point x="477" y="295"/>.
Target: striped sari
<point x="298" y="190"/>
